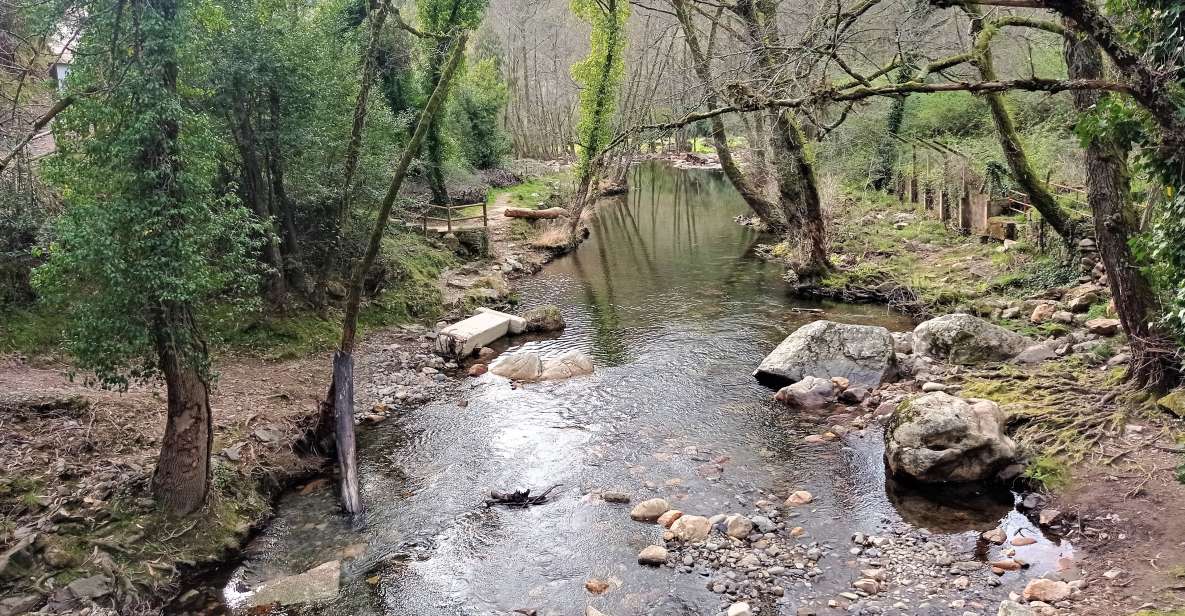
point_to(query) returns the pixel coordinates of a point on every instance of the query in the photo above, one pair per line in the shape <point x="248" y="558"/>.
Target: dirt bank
<point x="77" y="525"/>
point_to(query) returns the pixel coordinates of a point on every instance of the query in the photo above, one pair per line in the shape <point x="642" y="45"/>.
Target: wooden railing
<point x="449" y="219"/>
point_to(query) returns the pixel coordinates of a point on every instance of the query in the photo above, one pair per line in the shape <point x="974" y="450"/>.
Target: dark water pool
<point x="668" y="298"/>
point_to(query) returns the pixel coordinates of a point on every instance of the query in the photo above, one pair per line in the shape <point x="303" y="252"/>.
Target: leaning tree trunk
<point x="749" y="191"/>
<point x="1014" y="154"/>
<point x="1108" y="184"/>
<point x="182" y="477"/>
<point x="798" y="191"/>
<point x="331" y="408"/>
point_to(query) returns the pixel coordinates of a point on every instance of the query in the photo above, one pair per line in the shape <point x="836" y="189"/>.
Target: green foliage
<point x="1052" y="474"/>
<point x="409" y="268"/>
<point x="475" y="110"/>
<point x="143" y="227"/>
<point x="599" y="76"/>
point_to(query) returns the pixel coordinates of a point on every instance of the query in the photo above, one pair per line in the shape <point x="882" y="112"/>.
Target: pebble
<point x="654" y="555"/>
<point x="649" y="510"/>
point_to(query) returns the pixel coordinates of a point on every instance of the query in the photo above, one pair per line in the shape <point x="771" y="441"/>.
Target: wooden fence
<point x="957" y="195"/>
<point x="449" y="219"/>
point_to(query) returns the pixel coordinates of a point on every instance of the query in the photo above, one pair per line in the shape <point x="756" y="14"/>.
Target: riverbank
<point x="1107" y="458"/>
<point x="78" y="527"/>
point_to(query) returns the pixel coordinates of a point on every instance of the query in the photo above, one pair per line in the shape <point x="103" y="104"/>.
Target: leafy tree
<point x="477" y="107"/>
<point x="145" y="242"/>
<point x="440" y="18"/>
<point x="599" y="76"/>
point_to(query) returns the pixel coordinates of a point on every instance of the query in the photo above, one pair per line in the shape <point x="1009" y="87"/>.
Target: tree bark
<point x="1014" y="154"/>
<point x="1108" y="185"/>
<point x="798" y="189"/>
<point x="182" y="477"/>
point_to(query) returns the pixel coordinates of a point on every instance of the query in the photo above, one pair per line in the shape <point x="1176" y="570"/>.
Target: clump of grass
<point x="553" y="236"/>
<point x="1050" y="473"/>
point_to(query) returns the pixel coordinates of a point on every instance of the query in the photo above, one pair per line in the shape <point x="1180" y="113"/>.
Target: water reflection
<point x="668" y="298"/>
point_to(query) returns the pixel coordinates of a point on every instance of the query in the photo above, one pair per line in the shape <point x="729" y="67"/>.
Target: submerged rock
<point x="318" y="583"/>
<point x="809" y="393"/>
<point x="964" y="339"/>
<point x="519" y="367"/>
<point x="566" y="366"/>
<point x="937" y="437"/>
<point x="530" y="366"/>
<point x="863" y="354"/>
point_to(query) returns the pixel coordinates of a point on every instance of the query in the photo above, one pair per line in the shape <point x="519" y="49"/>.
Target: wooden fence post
<point x="449" y="216"/>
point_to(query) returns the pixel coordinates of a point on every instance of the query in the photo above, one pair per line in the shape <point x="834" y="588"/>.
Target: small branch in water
<point x="518" y="498"/>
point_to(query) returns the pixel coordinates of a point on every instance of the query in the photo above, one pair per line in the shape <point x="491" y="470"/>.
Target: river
<point x="669" y="299"/>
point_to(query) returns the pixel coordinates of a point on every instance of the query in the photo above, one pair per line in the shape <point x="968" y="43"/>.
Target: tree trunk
<point x="799" y="194"/>
<point x="255" y="191"/>
<point x="182" y="477"/>
<point x="749" y="191"/>
<point x="1014" y="153"/>
<point x="319" y="436"/>
<point x="798" y="189"/>
<point x="1108" y="184"/>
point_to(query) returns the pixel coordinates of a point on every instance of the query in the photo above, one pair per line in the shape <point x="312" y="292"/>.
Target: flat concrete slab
<point x="462" y="338"/>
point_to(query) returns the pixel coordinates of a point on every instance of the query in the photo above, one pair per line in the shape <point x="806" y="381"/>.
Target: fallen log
<point x="551" y="212"/>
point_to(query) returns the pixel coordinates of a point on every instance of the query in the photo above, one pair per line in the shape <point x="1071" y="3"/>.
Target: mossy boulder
<point x="965" y="339"/>
<point x="1174" y="403"/>
<point x="937" y="437"/>
<point x="544" y="319"/>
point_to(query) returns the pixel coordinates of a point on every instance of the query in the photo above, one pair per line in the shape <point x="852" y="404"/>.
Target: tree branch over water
<point x="1034" y="84"/>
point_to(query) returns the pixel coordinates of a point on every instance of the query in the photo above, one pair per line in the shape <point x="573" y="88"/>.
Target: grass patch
<point x="33" y="330"/>
<point x="1051" y="473"/>
<point x="532" y="194"/>
<point x="410" y="267"/>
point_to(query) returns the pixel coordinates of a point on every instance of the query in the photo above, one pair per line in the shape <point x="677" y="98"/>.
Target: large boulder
<point x="863" y="354"/>
<point x="937" y="437"/>
<point x="530" y="366"/>
<point x="964" y="339"/>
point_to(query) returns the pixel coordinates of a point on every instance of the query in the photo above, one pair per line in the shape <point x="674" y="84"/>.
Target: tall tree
<point x="438" y="20"/>
<point x="1014" y="154"/>
<point x="599" y="76"/>
<point x="144" y="243"/>
<point x="1116" y="222"/>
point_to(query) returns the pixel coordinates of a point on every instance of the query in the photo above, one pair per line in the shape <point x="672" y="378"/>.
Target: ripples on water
<point x="668" y="298"/>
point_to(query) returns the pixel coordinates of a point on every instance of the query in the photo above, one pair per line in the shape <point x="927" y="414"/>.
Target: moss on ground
<point x="1055" y="410"/>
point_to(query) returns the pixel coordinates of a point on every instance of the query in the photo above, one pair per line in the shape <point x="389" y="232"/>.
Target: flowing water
<point x="668" y="298"/>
